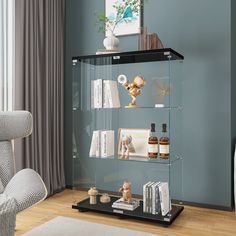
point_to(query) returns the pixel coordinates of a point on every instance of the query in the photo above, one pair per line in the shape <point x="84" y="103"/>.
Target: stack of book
<point x="107" y="51"/>
<point x="104" y="94"/>
<point x="156" y="199"/>
<point x="102" y="144"/>
<point x="120" y="204"/>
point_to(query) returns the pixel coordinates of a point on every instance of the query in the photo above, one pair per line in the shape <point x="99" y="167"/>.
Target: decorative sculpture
<point x="93" y="192"/>
<point x="126" y="192"/>
<point x="126" y="144"/>
<point x="161" y="90"/>
<point x="105" y="198"/>
<point x="133" y="88"/>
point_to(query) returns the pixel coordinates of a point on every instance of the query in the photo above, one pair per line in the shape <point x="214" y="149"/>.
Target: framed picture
<point x="138" y="145"/>
<point x="125" y="16"/>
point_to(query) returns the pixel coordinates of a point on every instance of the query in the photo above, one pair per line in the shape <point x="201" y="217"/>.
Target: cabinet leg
<point x="82" y="210"/>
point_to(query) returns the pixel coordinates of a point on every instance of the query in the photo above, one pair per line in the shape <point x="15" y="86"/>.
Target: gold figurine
<point x="126" y="192"/>
<point x="133" y="88"/>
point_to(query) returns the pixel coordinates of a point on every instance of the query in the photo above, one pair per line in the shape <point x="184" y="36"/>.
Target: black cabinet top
<point x="131" y="57"/>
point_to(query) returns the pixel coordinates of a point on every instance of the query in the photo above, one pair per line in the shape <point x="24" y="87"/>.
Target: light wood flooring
<point x="192" y="221"/>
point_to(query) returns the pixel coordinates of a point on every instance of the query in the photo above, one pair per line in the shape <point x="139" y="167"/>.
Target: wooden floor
<point x="192" y="221"/>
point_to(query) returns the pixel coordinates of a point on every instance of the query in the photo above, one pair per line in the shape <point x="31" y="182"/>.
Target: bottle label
<point x="165" y="149"/>
<point x="153" y="148"/>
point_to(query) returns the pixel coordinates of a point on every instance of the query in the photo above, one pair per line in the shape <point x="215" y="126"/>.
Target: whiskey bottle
<point x="164" y="144"/>
<point x="152" y="143"/>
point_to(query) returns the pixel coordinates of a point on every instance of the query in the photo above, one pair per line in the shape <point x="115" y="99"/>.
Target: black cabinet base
<point x="137" y="214"/>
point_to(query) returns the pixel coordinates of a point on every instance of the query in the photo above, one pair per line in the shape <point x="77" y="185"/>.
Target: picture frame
<point x="139" y="145"/>
<point x="130" y="23"/>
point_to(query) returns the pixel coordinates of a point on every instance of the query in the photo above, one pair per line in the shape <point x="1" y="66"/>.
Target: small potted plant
<point x="125" y="11"/>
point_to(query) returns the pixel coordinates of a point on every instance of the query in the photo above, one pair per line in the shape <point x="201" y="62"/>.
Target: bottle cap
<point x="164" y="128"/>
<point x="153" y="127"/>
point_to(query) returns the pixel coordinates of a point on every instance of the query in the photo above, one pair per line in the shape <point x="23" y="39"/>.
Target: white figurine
<point x="126" y="142"/>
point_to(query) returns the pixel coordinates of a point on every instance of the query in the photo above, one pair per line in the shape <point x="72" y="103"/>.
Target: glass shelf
<point x="165" y="54"/>
<point x="169" y="161"/>
<point x="139" y="108"/>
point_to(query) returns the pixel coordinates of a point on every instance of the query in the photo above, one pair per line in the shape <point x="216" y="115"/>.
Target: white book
<point x="105" y="51"/>
<point x="151" y="197"/>
<point x="106" y="103"/>
<point x="120" y="204"/>
<point x="149" y="202"/>
<point x="154" y="198"/>
<point x="157" y="200"/>
<point x="164" y="198"/>
<point x="111" y="97"/>
<point x="92" y="151"/>
<point x="145" y="196"/>
<point x="92" y="94"/>
<point x="97" y="143"/>
<point x="107" y="143"/>
<point x="96" y="93"/>
<point x="125" y="208"/>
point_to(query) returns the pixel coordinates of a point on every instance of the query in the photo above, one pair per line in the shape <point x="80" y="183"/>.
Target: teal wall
<point x="201" y="31"/>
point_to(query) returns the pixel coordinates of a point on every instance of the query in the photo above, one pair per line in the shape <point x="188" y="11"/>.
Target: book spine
<point x="105" y="95"/>
<point x="147" y="194"/>
<point x="103" y="143"/>
<point x="150" y="211"/>
<point x="100" y="88"/>
<point x="144" y="197"/>
<point x="107" y="143"/>
<point x="98" y="147"/>
<point x="109" y="96"/>
<point x="149" y="198"/>
<point x="95" y="97"/>
<point x="97" y="93"/>
<point x="92" y="151"/>
<point x="115" y="95"/>
<point x="92" y="94"/>
<point x="158" y="204"/>
<point x="111" y="143"/>
<point x="164" y="198"/>
<point x="162" y="201"/>
<point x="125" y="208"/>
<point x="153" y="199"/>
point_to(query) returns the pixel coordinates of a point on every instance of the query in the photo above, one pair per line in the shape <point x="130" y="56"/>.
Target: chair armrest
<point x="27" y="188"/>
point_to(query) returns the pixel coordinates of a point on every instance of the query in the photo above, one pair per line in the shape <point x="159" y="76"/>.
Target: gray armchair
<point x="25" y="188"/>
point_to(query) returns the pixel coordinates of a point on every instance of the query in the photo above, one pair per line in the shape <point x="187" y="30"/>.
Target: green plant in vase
<point x="124" y="12"/>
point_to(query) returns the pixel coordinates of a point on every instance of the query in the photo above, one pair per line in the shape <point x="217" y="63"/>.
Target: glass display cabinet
<point x="116" y="100"/>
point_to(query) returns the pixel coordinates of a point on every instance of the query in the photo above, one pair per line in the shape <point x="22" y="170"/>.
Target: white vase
<point x="111" y="42"/>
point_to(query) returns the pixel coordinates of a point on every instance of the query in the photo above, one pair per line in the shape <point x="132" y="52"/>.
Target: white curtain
<point x="7" y="53"/>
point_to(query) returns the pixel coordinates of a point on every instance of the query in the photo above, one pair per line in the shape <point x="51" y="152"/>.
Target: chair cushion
<point x="7" y="215"/>
<point x="15" y="124"/>
<point x="1" y="187"/>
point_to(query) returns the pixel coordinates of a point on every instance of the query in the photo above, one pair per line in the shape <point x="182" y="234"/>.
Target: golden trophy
<point x="133" y="88"/>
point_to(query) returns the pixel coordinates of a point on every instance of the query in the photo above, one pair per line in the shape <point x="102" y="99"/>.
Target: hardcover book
<point x="111" y="94"/>
<point x="120" y="204"/>
<point x="96" y="93"/>
<point x="164" y="198"/>
<point x="156" y="199"/>
<point x="95" y="144"/>
<point x="107" y="143"/>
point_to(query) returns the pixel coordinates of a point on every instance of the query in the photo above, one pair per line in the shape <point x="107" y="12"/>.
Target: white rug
<point x="64" y="226"/>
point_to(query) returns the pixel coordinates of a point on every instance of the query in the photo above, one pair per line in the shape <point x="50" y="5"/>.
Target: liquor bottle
<point x="164" y="144"/>
<point x="152" y="143"/>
